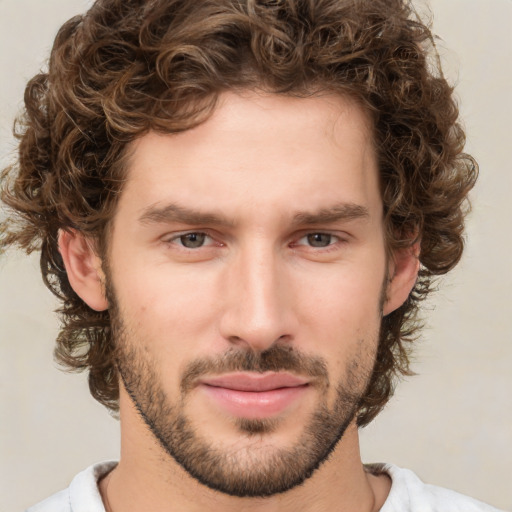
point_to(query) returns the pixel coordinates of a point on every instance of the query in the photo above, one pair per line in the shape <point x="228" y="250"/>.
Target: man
<point x="241" y="205"/>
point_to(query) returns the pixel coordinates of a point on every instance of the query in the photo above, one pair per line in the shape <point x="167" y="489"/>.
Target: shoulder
<point x="409" y="494"/>
<point x="82" y="495"/>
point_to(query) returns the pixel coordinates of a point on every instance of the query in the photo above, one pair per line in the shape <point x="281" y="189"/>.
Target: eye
<point x="318" y="240"/>
<point x="193" y="240"/>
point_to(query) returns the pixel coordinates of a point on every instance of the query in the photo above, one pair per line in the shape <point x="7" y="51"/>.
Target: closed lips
<point x="255" y="382"/>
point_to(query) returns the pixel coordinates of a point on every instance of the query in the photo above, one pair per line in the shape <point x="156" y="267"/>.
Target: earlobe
<point x="403" y="275"/>
<point x="83" y="267"/>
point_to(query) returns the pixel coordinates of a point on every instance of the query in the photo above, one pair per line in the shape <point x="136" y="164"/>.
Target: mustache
<point x="276" y="358"/>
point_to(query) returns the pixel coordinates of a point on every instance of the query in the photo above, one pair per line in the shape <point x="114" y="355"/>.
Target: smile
<point x="255" y="396"/>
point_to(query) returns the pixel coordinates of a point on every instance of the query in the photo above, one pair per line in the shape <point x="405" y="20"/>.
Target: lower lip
<point x="254" y="404"/>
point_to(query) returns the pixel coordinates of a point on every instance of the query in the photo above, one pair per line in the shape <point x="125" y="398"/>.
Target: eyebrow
<point x="173" y="212"/>
<point x="336" y="213"/>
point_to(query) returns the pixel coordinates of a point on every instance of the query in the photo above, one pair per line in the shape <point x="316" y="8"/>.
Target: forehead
<point x="259" y="151"/>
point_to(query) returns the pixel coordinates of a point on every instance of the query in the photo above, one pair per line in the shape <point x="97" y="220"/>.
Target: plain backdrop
<point x="452" y="423"/>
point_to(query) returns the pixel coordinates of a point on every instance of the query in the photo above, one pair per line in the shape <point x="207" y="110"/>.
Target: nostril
<point x="235" y="340"/>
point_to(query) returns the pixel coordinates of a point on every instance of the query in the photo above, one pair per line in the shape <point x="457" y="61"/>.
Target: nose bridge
<point x="256" y="310"/>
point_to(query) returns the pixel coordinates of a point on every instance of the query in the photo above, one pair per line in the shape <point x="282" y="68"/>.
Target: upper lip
<point x="255" y="381"/>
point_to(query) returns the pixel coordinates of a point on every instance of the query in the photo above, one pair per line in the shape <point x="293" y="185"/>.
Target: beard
<point x="258" y="469"/>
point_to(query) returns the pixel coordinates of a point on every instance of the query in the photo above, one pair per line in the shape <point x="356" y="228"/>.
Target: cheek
<point x="348" y="297"/>
<point x="341" y="313"/>
<point x="168" y="311"/>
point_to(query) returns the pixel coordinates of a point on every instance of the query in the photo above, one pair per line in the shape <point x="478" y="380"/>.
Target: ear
<point x="403" y="271"/>
<point x="83" y="267"/>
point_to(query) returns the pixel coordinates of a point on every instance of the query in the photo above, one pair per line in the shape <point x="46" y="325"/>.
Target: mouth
<point x="253" y="395"/>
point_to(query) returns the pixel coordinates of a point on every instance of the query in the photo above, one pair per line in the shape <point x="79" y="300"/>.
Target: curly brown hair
<point x="130" y="66"/>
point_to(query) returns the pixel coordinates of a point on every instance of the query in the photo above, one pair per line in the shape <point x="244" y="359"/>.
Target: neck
<point x="149" y="479"/>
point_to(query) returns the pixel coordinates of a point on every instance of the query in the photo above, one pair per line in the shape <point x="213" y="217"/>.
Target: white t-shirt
<point x="408" y="494"/>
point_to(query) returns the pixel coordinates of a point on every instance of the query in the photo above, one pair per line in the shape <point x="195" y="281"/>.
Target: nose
<point x="258" y="307"/>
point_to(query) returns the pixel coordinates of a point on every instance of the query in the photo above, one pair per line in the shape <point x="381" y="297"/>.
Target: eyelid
<point x="338" y="236"/>
<point x="339" y="243"/>
<point x="171" y="238"/>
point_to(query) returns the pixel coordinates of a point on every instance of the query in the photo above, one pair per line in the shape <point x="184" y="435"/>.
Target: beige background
<point x="452" y="423"/>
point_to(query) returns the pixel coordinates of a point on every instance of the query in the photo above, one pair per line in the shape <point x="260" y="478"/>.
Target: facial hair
<point x="259" y="469"/>
<point x="253" y="471"/>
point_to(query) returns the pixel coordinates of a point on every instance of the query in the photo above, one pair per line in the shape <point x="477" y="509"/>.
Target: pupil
<point x="319" y="240"/>
<point x="193" y="240"/>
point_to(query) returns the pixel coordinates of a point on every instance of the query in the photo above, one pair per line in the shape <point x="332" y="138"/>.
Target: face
<point x="246" y="278"/>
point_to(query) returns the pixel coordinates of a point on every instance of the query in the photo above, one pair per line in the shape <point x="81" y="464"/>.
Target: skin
<point x="266" y="165"/>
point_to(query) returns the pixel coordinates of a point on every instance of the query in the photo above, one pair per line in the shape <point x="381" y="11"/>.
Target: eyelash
<point x="179" y="236"/>
<point x="334" y="241"/>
